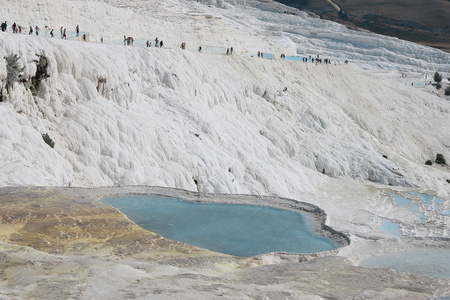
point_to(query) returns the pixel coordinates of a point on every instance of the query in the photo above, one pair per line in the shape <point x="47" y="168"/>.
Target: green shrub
<point x="48" y="140"/>
<point x="437" y="77"/>
<point x="448" y="180"/>
<point x="440" y="159"/>
<point x="429" y="162"/>
<point x="385" y="156"/>
<point x="41" y="73"/>
<point x="14" y="71"/>
<point x="447" y="91"/>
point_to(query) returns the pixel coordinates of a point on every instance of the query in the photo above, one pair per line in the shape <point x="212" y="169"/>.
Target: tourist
<point x="51" y="33"/>
<point x="161" y="44"/>
<point x="61" y="30"/>
<point x="84" y="37"/>
<point x="101" y="39"/>
<point x="14" y="28"/>
<point x="228" y="51"/>
<point x="37" y="30"/>
<point x="78" y="30"/>
<point x="4" y="26"/>
<point x="200" y="49"/>
<point x="64" y="36"/>
<point x="156" y="42"/>
<point x="124" y="40"/>
<point x="231" y="50"/>
<point x="31" y="31"/>
<point x="259" y="54"/>
<point x="130" y="41"/>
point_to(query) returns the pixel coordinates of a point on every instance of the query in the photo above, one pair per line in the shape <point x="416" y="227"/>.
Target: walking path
<point x="85" y="36"/>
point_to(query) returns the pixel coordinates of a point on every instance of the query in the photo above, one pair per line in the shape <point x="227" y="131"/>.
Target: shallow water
<point x="390" y="227"/>
<point x="429" y="263"/>
<point x="240" y="230"/>
<point x="418" y="202"/>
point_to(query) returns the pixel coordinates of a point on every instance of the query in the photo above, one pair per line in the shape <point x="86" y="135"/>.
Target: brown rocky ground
<point x="422" y="22"/>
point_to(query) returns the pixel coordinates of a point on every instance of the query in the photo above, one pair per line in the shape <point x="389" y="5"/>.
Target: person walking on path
<point x="78" y="30"/>
<point x="31" y="31"/>
<point x="64" y="34"/>
<point x="37" y="30"/>
<point x="161" y="44"/>
<point x="51" y="33"/>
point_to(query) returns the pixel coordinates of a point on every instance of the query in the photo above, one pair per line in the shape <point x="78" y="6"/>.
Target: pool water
<point x="240" y="230"/>
<point x="419" y="204"/>
<point x="429" y="263"/>
<point x="390" y="227"/>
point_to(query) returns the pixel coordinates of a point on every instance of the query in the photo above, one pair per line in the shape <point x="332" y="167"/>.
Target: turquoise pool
<point x="240" y="230"/>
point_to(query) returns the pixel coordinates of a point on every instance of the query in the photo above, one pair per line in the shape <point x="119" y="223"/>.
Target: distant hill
<point x="424" y="22"/>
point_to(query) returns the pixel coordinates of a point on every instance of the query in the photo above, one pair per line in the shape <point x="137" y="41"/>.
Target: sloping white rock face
<point x="232" y="124"/>
<point x="225" y="124"/>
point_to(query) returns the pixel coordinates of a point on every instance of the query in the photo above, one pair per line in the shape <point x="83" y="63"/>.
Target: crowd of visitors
<point x="129" y="41"/>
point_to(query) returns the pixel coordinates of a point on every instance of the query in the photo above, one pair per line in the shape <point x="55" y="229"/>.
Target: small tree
<point x="440" y="159"/>
<point x="437" y="77"/>
<point x="14" y="71"/>
<point x="41" y="73"/>
<point x="48" y="140"/>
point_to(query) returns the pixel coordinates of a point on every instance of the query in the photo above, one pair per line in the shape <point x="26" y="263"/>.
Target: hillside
<point x="164" y="117"/>
<point x="423" y="22"/>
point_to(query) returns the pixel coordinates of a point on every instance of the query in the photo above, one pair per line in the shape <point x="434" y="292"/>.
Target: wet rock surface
<point x="58" y="243"/>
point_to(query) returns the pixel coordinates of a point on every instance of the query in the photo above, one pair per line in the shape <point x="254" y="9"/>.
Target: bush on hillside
<point x="41" y="73"/>
<point x="447" y="91"/>
<point x="440" y="159"/>
<point x="48" y="140"/>
<point x="14" y="70"/>
<point x="429" y="163"/>
<point x="437" y="77"/>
